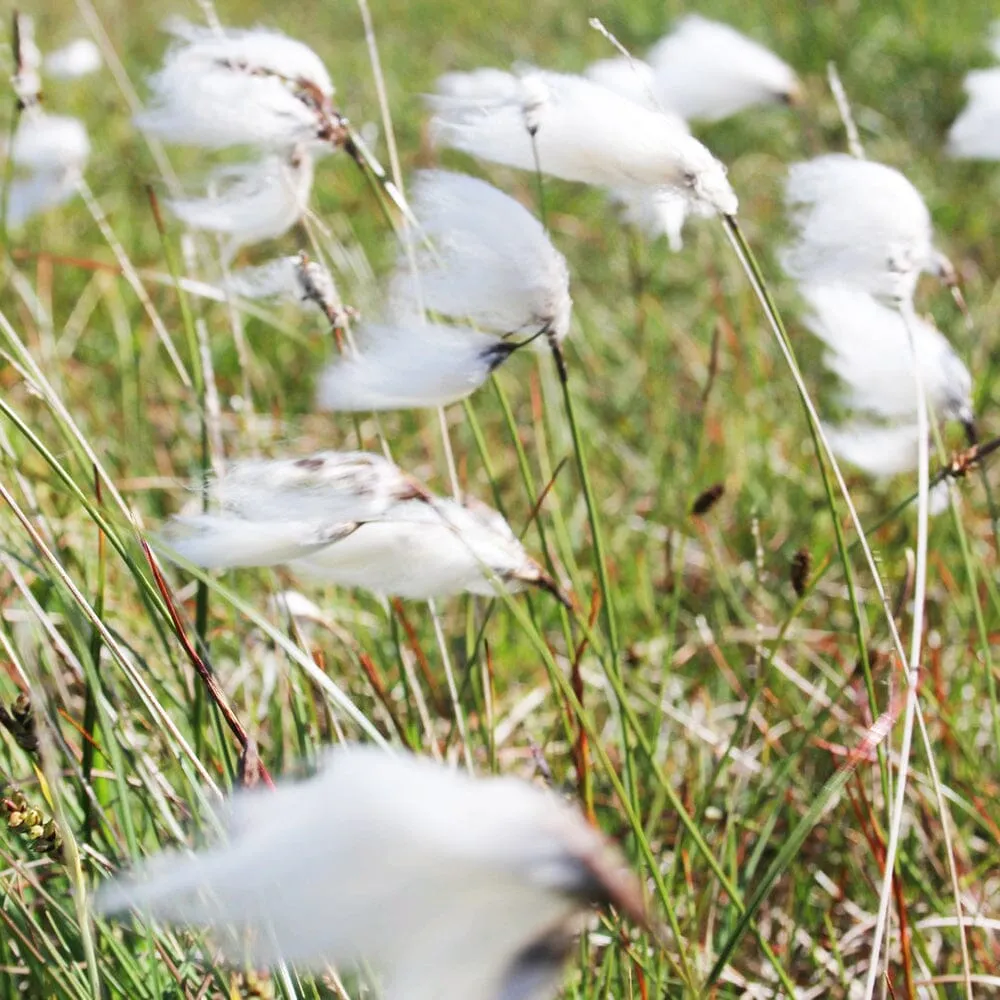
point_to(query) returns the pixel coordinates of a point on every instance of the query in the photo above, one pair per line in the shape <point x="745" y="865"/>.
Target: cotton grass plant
<point x="718" y="724"/>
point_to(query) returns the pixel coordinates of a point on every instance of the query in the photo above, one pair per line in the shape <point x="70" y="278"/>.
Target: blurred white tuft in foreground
<point x="78" y="58"/>
<point x="448" y="887"/>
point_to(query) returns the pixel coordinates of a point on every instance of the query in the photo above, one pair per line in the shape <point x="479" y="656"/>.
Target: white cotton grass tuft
<point x="708" y="70"/>
<point x="627" y="76"/>
<point x="975" y="134"/>
<point x="445" y="886"/>
<point x="860" y="223"/>
<point x="581" y="131"/>
<point x="49" y="143"/>
<point x="358" y="521"/>
<point x="655" y="212"/>
<point x="294" y="279"/>
<point x="410" y="364"/>
<point x="49" y="153"/>
<point x="76" y="59"/>
<point x="868" y="348"/>
<point x="878" y="450"/>
<point x="325" y="486"/>
<point x="232" y="87"/>
<point x="251" y="202"/>
<point x="489" y="260"/>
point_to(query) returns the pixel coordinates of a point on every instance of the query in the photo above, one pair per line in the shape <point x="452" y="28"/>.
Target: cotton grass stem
<point x="463" y="733"/>
<point x="913" y="664"/>
<point x="751" y="268"/>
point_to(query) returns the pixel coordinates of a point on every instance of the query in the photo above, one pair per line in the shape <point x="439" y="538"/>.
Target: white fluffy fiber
<point x="655" y="212"/>
<point x="220" y="541"/>
<point x="252" y="201"/>
<point x="707" y="70"/>
<point x="857" y="222"/>
<point x="876" y="449"/>
<point x="326" y="486"/>
<point x="220" y="88"/>
<point x="423" y="551"/>
<point x="583" y="132"/>
<point x="868" y="348"/>
<point x="408" y="365"/>
<point x="438" y="881"/>
<point x="356" y="520"/>
<point x="76" y="59"/>
<point x="975" y="134"/>
<point x="49" y="152"/>
<point x="628" y="77"/>
<point x="45" y="143"/>
<point x="490" y="260"/>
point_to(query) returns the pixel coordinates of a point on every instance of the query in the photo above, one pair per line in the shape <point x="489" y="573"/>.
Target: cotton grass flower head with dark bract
<point x="355" y="520"/>
<point x="411" y="364"/>
<point x="446" y="886"/>
<point x="575" y="129"/>
<point x="482" y="257"/>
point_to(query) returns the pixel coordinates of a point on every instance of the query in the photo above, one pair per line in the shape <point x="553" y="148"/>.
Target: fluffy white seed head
<point x="654" y="211"/>
<point x="45" y="143"/>
<point x="491" y="261"/>
<point x="975" y="134"/>
<point x="251" y="202"/>
<point x="49" y="152"/>
<point x="868" y="348"/>
<point x="409" y="365"/>
<point x="78" y="58"/>
<point x="879" y="450"/>
<point x="356" y="520"/>
<point x="859" y="223"/>
<point x="631" y="78"/>
<point x="582" y="132"/>
<point x="324" y="487"/>
<point x="449" y="887"/>
<point x="222" y="541"/>
<point x="707" y="70"/>
<point x="221" y="88"/>
<point x="422" y="551"/>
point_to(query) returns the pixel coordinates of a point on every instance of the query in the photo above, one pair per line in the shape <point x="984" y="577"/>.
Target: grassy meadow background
<point x="720" y="705"/>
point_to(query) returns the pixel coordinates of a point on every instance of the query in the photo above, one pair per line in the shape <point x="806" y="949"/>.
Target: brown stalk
<point x="203" y="670"/>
